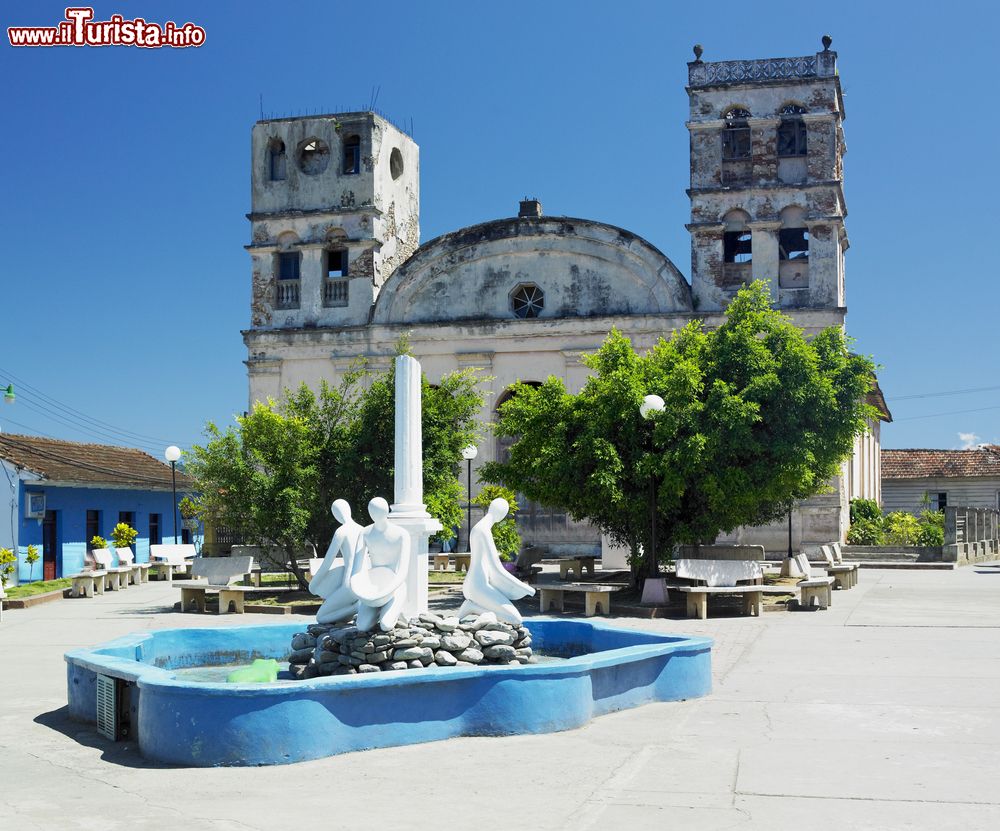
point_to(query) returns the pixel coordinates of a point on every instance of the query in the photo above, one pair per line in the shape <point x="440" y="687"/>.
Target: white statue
<point x="331" y="581"/>
<point x="378" y="574"/>
<point x="488" y="586"/>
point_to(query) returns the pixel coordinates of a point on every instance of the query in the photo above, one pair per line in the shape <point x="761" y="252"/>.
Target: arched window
<point x="736" y="240"/>
<point x="793" y="249"/>
<point x="276" y="160"/>
<point x="352" y="155"/>
<point x="736" y="135"/>
<point x="792" y="131"/>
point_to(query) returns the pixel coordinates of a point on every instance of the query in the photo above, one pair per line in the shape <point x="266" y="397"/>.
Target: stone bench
<point x="441" y="562"/>
<point x="596" y="596"/>
<point x="115" y="577"/>
<point x="462" y="562"/>
<point x="87" y="583"/>
<point x="721" y="577"/>
<point x="219" y="573"/>
<point x="170" y="559"/>
<point x="845" y="574"/>
<point x="815" y="590"/>
<point x="138" y="572"/>
<point x="194" y="596"/>
<point x="576" y="565"/>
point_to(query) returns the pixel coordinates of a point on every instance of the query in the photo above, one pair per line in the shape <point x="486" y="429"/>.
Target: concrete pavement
<point x="880" y="713"/>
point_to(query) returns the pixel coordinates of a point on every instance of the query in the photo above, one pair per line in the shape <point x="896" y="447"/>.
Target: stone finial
<point x="697" y="49"/>
<point x="827" y="40"/>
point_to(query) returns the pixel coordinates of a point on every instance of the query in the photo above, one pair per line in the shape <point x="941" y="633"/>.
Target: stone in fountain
<point x="379" y="573"/>
<point x="488" y="586"/>
<point x="332" y="580"/>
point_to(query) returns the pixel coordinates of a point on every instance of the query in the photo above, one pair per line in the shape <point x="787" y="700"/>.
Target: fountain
<point x="192" y="696"/>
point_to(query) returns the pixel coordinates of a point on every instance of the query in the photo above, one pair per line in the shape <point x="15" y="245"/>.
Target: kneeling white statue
<point x="332" y="579"/>
<point x="378" y="577"/>
<point x="488" y="586"/>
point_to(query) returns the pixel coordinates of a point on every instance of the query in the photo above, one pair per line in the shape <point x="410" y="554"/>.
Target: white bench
<point x="170" y="559"/>
<point x="845" y="574"/>
<point x="815" y="590"/>
<point x="115" y="577"/>
<point x="596" y="596"/>
<point x="721" y="577"/>
<point x="88" y="583"/>
<point x="219" y="574"/>
<point x="139" y="571"/>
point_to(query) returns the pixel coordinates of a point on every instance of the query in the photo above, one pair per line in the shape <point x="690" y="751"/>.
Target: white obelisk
<point x="408" y="510"/>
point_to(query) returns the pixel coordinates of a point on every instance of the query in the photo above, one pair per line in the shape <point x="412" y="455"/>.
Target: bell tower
<point x="767" y="185"/>
<point x="335" y="208"/>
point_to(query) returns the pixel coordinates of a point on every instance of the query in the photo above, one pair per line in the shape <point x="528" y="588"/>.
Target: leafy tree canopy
<point x="275" y="473"/>
<point x="756" y="416"/>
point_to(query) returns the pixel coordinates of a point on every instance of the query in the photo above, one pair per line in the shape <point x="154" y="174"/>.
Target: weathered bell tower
<point x="767" y="187"/>
<point x="335" y="207"/>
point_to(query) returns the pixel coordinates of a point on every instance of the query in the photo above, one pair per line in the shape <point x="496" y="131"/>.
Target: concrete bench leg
<point x="99" y="585"/>
<point x="227" y="597"/>
<point x="697" y="605"/>
<point x="113" y="583"/>
<point x="549" y="598"/>
<point x="598" y="600"/>
<point x="752" y="602"/>
<point x="462" y="563"/>
<point x="441" y="562"/>
<point x="570" y="567"/>
<point x="819" y="596"/>
<point x="192" y="596"/>
<point x="588" y="566"/>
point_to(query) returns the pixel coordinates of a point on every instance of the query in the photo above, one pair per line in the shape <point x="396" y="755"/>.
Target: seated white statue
<point x="378" y="575"/>
<point x="488" y="586"/>
<point x="331" y="579"/>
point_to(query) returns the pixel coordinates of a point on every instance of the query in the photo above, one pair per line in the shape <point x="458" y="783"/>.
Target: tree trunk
<point x="301" y="577"/>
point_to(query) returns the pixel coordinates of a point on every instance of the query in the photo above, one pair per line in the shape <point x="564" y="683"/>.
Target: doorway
<point x="50" y="545"/>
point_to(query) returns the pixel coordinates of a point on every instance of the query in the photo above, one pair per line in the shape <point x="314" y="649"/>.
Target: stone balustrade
<point x="971" y="534"/>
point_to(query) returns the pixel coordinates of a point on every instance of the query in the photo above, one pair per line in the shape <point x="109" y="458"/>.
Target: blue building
<point x="63" y="493"/>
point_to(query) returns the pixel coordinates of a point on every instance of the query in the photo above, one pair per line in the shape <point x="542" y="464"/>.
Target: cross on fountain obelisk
<point x="408" y="510"/>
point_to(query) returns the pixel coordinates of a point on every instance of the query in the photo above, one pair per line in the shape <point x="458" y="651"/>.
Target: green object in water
<point x="261" y="671"/>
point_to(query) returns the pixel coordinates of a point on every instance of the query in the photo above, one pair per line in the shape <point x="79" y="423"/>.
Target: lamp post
<point x="469" y="453"/>
<point x="172" y="454"/>
<point x="652" y="405"/>
<point x="8" y="394"/>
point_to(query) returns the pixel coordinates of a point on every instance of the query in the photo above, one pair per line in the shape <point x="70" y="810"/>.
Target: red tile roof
<point x="87" y="464"/>
<point x="919" y="464"/>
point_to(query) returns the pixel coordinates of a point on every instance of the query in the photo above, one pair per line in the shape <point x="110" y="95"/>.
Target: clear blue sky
<point x="126" y="177"/>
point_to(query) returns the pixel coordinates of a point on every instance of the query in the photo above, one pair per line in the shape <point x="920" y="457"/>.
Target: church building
<point x="338" y="269"/>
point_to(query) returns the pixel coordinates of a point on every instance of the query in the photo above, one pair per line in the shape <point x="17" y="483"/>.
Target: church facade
<point x="338" y="270"/>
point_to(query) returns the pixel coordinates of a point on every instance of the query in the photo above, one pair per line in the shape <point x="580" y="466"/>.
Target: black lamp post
<point x="469" y="453"/>
<point x="650" y="407"/>
<point x="172" y="454"/>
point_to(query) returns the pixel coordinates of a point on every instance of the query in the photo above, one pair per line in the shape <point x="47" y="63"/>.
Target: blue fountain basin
<point x="179" y="721"/>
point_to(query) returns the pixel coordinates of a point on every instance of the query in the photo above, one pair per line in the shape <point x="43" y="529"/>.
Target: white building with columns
<point x="338" y="270"/>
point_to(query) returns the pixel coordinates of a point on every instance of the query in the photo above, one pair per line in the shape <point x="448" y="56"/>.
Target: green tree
<point x="756" y="415"/>
<point x="274" y="475"/>
<point x="8" y="561"/>
<point x="259" y="476"/>
<point x="505" y="535"/>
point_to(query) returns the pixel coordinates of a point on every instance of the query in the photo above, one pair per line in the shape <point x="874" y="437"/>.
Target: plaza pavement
<point x="880" y="713"/>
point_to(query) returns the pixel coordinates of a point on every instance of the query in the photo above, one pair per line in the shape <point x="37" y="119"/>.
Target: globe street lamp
<point x="469" y="453"/>
<point x="651" y="407"/>
<point x="172" y="454"/>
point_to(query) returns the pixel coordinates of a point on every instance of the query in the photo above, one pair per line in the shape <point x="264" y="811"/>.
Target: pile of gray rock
<point x="428" y="640"/>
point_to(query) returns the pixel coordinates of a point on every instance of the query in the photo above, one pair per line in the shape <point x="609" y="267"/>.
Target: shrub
<point x="931" y="528"/>
<point x="31" y="557"/>
<point x="7" y="561"/>
<point x="865" y="509"/>
<point x="98" y="541"/>
<point x="901" y="528"/>
<point x="123" y="535"/>
<point x="505" y="535"/>
<point x="866" y="532"/>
